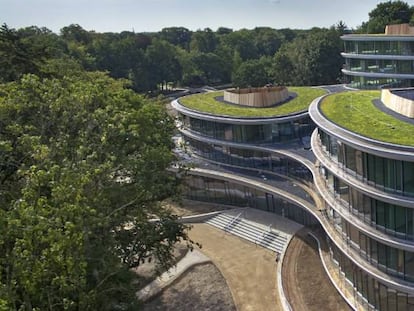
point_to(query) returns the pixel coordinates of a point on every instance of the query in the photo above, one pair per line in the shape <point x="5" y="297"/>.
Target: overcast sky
<point x="153" y="15"/>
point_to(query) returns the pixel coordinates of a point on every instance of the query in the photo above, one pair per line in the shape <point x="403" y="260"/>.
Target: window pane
<point x="408" y="177"/>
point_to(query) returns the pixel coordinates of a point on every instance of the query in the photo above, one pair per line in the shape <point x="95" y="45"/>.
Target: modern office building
<point x="340" y="163"/>
<point x="258" y="142"/>
<point x="375" y="61"/>
<point x="365" y="160"/>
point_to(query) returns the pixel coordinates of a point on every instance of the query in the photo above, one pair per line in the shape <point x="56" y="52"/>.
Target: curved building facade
<point x="379" y="60"/>
<point x="355" y="191"/>
<point x="368" y="188"/>
<point x="259" y="147"/>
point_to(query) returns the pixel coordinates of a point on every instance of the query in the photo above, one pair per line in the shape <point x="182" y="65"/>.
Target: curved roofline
<point x="377" y="37"/>
<point x="237" y="120"/>
<point x="377" y="56"/>
<point x="357" y="141"/>
<point x="377" y="74"/>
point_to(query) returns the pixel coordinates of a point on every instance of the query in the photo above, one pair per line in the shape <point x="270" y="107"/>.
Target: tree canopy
<point x="83" y="167"/>
<point x="154" y="61"/>
<point x="387" y="13"/>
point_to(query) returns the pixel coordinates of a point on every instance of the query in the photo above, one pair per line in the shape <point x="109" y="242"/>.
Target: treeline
<point x="177" y="56"/>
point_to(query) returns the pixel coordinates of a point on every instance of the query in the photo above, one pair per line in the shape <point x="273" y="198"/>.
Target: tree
<point x="267" y="40"/>
<point x="204" y="41"/>
<point x="180" y="36"/>
<point x="163" y="63"/>
<point x="387" y="13"/>
<point x="223" y="31"/>
<point x="242" y="42"/>
<point x="25" y="50"/>
<point x="252" y="73"/>
<point x="282" y="69"/>
<point x="82" y="160"/>
<point x="341" y="27"/>
<point x="312" y="59"/>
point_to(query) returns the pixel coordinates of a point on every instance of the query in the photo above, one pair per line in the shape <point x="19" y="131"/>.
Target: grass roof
<point x="207" y="103"/>
<point x="356" y="112"/>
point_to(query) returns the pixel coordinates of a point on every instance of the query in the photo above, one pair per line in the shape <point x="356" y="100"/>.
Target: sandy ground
<point x="243" y="276"/>
<point x="250" y="271"/>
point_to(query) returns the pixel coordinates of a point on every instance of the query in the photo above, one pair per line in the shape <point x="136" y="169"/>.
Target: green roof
<point x="207" y="103"/>
<point x="355" y="111"/>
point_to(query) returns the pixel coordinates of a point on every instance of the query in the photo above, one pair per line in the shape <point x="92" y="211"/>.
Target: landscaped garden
<point x="356" y="112"/>
<point x="208" y="103"/>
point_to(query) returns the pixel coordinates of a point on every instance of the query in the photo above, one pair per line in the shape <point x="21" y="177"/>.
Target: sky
<point x="153" y="15"/>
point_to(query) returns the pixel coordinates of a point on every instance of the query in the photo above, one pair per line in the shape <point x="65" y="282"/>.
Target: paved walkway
<point x="249" y="270"/>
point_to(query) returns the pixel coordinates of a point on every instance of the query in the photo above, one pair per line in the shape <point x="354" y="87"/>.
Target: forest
<point x="176" y="56"/>
<point x="85" y="144"/>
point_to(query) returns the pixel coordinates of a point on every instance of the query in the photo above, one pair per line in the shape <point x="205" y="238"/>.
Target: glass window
<point x="409" y="266"/>
<point x="379" y="170"/>
<point x="383" y="305"/>
<point x="392" y="299"/>
<point x="402" y="302"/>
<point x="389" y="216"/>
<point x="350" y="158"/>
<point x="382" y="255"/>
<point x="392" y="258"/>
<point x="400" y="219"/>
<point x="408" y="171"/>
<point x="380" y="213"/>
<point x="371" y="167"/>
<point x="374" y="250"/>
<point x="410" y="223"/>
<point x="371" y="291"/>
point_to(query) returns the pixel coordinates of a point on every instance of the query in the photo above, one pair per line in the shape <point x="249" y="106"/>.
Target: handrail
<point x="232" y="222"/>
<point x="269" y="230"/>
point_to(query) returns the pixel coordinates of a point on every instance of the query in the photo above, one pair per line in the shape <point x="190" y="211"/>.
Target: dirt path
<point x="250" y="271"/>
<point x="306" y="285"/>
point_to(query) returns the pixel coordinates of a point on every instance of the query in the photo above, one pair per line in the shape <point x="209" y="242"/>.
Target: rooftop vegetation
<point x="208" y="103"/>
<point x="356" y="112"/>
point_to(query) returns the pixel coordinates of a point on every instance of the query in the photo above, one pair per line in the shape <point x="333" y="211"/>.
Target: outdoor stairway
<point x="260" y="235"/>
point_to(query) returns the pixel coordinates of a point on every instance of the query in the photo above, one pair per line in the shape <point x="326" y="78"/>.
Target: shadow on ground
<point x="201" y="288"/>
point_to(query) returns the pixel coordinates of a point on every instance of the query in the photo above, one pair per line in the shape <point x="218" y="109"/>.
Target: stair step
<point x="273" y="240"/>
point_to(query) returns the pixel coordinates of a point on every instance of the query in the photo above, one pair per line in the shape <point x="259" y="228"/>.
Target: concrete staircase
<point x="267" y="237"/>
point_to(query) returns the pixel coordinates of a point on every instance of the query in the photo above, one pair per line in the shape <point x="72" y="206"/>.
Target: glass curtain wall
<point x="257" y="133"/>
<point x="260" y="160"/>
<point x="369" y="291"/>
<point x="379" y="47"/>
<point x="389" y="218"/>
<point x="393" y="176"/>
<point x="212" y="190"/>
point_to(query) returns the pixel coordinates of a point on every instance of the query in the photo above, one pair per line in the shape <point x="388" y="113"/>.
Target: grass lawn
<point x="356" y="112"/>
<point x="207" y="103"/>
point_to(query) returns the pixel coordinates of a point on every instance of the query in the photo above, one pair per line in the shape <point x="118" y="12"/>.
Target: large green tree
<point x="82" y="166"/>
<point x="310" y="59"/>
<point x="387" y="13"/>
<point x="26" y="50"/>
<point x="252" y="73"/>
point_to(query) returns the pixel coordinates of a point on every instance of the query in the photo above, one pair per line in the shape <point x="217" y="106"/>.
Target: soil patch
<point x="201" y="288"/>
<point x="305" y="282"/>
